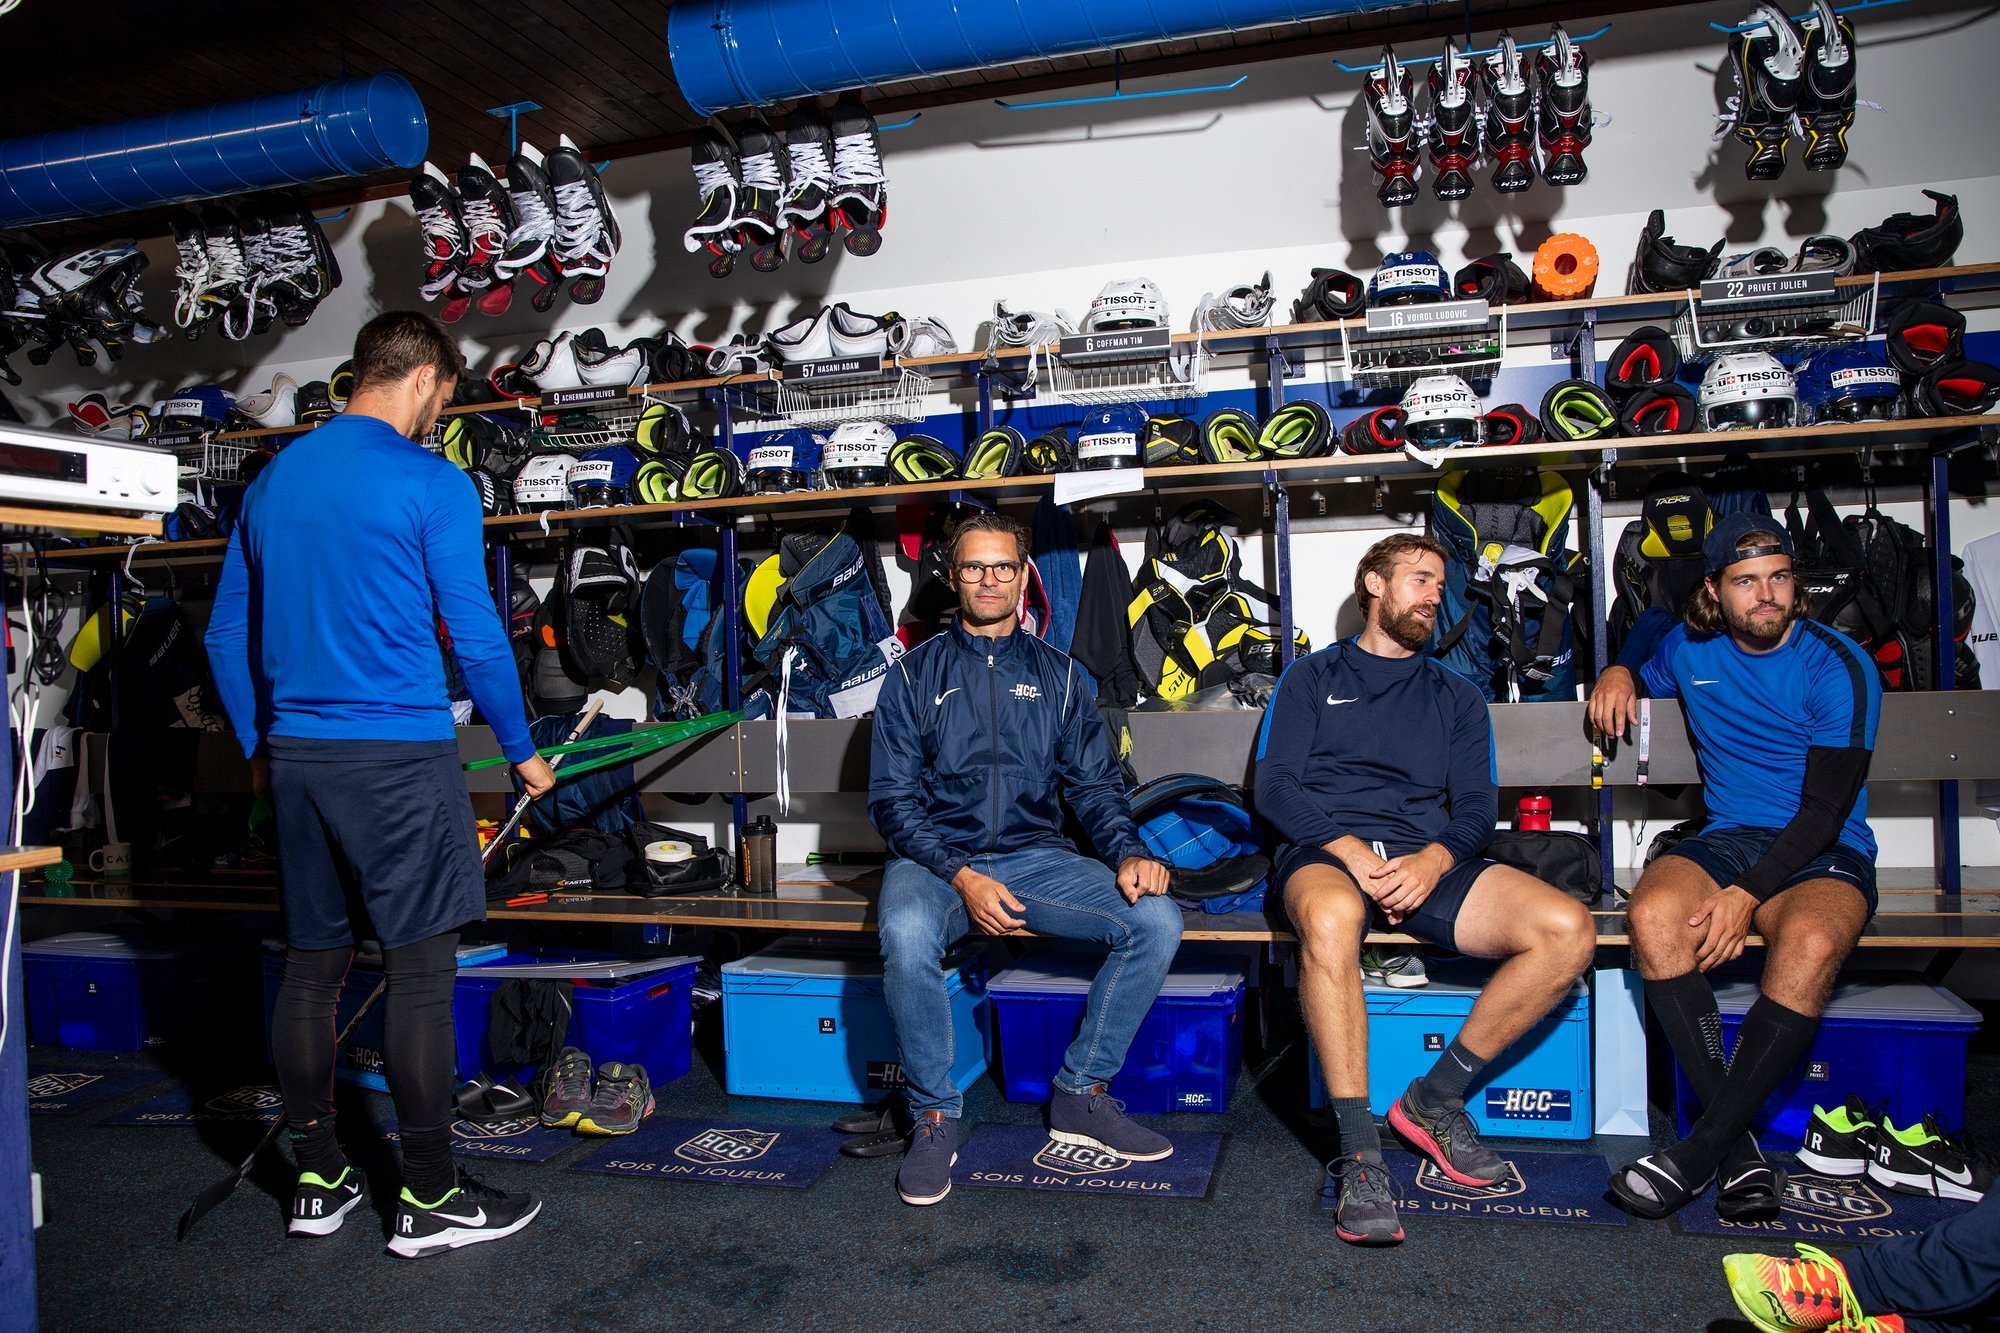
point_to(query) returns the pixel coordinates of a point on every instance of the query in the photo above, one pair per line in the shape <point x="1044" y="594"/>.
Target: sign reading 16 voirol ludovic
<point x="1448" y="314"/>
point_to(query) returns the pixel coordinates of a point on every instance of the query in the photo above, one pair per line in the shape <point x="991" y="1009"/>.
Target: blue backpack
<point x="830" y="625"/>
<point x="1202" y="828"/>
<point x="1505" y="622"/>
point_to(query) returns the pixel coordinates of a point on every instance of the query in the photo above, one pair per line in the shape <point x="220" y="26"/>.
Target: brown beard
<point x="1750" y="629"/>
<point x="1406" y="628"/>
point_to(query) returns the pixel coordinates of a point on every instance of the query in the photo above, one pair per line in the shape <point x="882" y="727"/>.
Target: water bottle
<point x="760" y="855"/>
<point x="1532" y="814"/>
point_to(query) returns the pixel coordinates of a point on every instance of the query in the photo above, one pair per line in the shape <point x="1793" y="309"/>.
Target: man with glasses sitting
<point x="983" y="734"/>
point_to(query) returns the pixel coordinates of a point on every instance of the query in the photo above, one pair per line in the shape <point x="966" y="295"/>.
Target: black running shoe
<point x="1927" y="1159"/>
<point x="1826" y="100"/>
<point x="320" y="1205"/>
<point x="1447" y="1137"/>
<point x="1770" y="62"/>
<point x="622" y="1099"/>
<point x="1748" y="1188"/>
<point x="1365" y="1203"/>
<point x="1510" y="105"/>
<point x="470" y="1212"/>
<point x="1841" y="1142"/>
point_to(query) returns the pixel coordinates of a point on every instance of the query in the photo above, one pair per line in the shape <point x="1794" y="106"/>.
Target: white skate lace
<point x="532" y="219"/>
<point x="857" y="160"/>
<point x="289" y="257"/>
<point x="440" y="232"/>
<point x="580" y="230"/>
<point x="483" y="228"/>
<point x="191" y="275"/>
<point x="712" y="176"/>
<point x="810" y="167"/>
<point x="760" y="171"/>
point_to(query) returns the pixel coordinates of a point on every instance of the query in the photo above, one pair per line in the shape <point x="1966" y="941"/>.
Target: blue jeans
<point x="1066" y="895"/>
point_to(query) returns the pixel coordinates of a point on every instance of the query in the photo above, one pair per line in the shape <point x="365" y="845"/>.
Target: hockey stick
<point x="506" y="830"/>
<point x="206" y="1201"/>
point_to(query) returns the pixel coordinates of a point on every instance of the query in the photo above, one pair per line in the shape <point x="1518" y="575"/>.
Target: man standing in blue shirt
<point x="354" y="542"/>
<point x="1375" y="766"/>
<point x="1782" y="712"/>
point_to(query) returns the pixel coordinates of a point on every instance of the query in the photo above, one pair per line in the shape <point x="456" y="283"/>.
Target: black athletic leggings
<point x="417" y="1048"/>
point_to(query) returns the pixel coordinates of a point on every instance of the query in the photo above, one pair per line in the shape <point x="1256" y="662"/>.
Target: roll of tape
<point x="1565" y="268"/>
<point x="669" y="853"/>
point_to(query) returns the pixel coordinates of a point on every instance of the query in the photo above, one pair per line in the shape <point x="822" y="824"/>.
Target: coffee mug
<point x="112" y="860"/>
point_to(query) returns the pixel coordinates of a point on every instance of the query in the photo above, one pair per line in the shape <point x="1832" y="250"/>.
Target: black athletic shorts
<point x="375" y="839"/>
<point x="1436" y="918"/>
<point x="1724" y="854"/>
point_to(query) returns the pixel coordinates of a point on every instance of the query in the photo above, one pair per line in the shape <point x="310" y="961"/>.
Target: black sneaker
<point x="623" y="1098"/>
<point x="1841" y="1142"/>
<point x="925" y="1176"/>
<point x="320" y="1205"/>
<point x="1748" y="1188"/>
<point x="1446" y="1136"/>
<point x="1926" y="1159"/>
<point x="567" y="1099"/>
<point x="1365" y="1208"/>
<point x="470" y="1212"/>
<point x="1091" y="1119"/>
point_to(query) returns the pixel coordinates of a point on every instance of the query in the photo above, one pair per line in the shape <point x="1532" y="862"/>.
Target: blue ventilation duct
<point x="347" y="128"/>
<point x="733" y="53"/>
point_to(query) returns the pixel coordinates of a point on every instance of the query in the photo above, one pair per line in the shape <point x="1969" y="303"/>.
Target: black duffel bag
<point x="1569" y="861"/>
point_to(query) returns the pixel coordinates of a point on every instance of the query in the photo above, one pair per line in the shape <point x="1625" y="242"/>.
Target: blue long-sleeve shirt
<point x="353" y="543"/>
<point x="1396" y="750"/>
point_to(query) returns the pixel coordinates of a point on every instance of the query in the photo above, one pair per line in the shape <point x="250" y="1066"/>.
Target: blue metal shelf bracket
<point x="1118" y="93"/>
<point x="512" y="113"/>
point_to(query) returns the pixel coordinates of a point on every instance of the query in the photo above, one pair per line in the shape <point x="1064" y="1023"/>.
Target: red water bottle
<point x="1532" y="814"/>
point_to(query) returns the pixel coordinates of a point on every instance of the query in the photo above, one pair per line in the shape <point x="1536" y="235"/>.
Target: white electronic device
<point x="48" y="467"/>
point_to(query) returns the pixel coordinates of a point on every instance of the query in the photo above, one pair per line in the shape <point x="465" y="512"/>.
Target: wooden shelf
<point x="80" y="521"/>
<point x="28" y="858"/>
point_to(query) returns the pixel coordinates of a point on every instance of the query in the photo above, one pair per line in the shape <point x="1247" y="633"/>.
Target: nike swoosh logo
<point x="939" y="701"/>
<point x="1332" y="701"/>
<point x="1962" y="1176"/>
<point x="478" y="1219"/>
<point x="1707" y="682"/>
<point x="1735" y="1181"/>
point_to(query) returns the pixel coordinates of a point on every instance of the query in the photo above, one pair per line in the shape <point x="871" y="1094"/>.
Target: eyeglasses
<point x="1003" y="571"/>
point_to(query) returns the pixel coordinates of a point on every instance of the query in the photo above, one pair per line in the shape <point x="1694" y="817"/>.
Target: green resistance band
<point x="624" y="747"/>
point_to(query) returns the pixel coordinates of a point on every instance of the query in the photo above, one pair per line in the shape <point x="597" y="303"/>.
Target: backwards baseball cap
<point x="1719" y="549"/>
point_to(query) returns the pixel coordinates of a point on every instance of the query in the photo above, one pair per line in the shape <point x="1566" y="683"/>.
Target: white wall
<point x="1041" y="207"/>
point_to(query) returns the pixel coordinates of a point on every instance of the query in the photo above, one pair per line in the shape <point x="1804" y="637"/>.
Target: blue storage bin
<point x="640" y="1019"/>
<point x="1903" y="1043"/>
<point x="1185" y="1057"/>
<point x="1539" y="1088"/>
<point x="639" y="1011"/>
<point x="811" y="1023"/>
<point x="102" y="991"/>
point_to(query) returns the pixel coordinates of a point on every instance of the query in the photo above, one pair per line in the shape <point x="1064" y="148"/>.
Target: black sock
<point x="315" y="1149"/>
<point x="1449" y="1077"/>
<point x="428" y="1170"/>
<point x="1356" y="1124"/>
<point x="1772" y="1041"/>
<point x="1685" y="1006"/>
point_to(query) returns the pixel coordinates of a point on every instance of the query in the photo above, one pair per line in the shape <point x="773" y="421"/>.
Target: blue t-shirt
<point x="354" y="542"/>
<point x="1396" y="750"/>
<point x="1753" y="716"/>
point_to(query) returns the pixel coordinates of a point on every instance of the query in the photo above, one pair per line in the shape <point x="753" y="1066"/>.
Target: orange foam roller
<point x="1565" y="268"/>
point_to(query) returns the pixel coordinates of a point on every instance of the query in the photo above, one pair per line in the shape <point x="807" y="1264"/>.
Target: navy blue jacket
<point x="977" y="744"/>
<point x="1396" y="750"/>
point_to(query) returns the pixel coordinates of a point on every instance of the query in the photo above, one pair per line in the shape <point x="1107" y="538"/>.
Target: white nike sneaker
<point x="470" y="1212"/>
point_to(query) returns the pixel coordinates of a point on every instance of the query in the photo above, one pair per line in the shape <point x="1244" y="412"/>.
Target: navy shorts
<point x="375" y="840"/>
<point x="1724" y="854"/>
<point x="1436" y="918"/>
